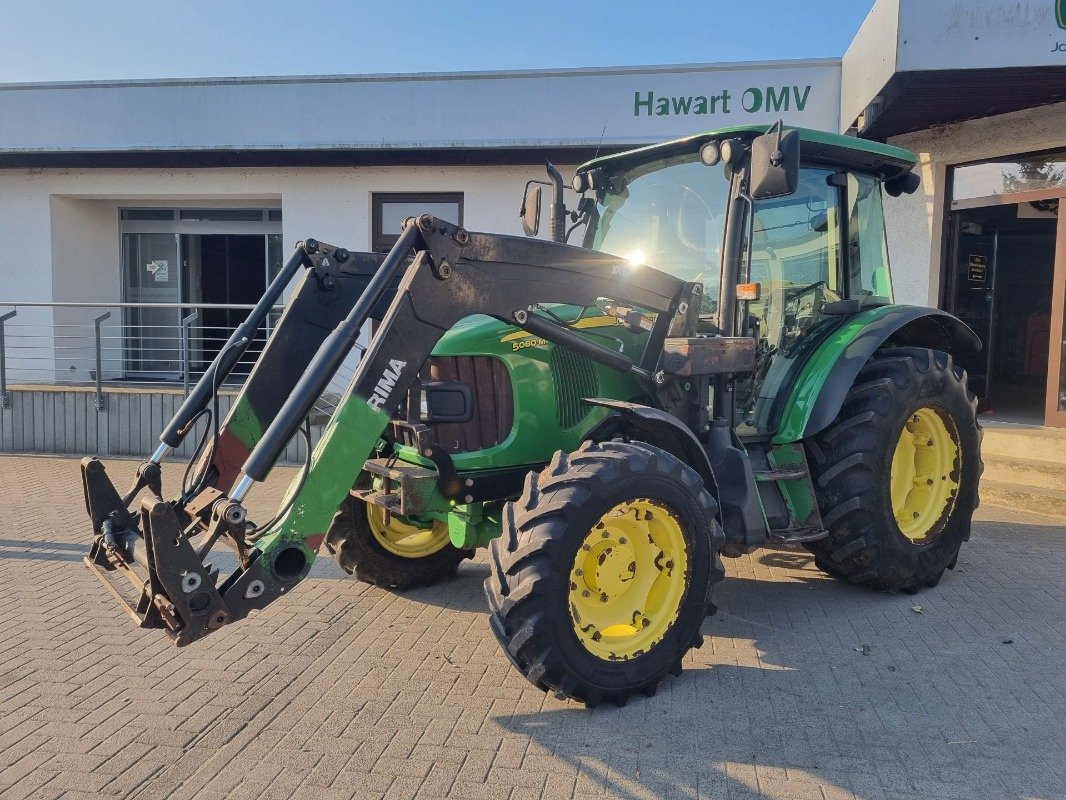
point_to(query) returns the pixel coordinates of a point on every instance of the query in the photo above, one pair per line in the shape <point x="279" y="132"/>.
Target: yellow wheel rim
<point x="628" y="579"/>
<point x="403" y="539"/>
<point x="925" y="474"/>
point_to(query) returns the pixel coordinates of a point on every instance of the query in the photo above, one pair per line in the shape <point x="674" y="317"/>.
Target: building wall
<point x="71" y="215"/>
<point x="62" y="225"/>
<point x="26" y="269"/>
<point x="916" y="222"/>
<point x="63" y="233"/>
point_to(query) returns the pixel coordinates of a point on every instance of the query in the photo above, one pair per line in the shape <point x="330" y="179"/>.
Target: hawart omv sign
<point x="778" y="99"/>
<point x="669" y="104"/>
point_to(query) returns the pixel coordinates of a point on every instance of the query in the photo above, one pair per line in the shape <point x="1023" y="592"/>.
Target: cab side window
<point x="868" y="275"/>
<point x="795" y="257"/>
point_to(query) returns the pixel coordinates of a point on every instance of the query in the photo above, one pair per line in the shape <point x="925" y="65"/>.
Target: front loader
<point x="718" y="367"/>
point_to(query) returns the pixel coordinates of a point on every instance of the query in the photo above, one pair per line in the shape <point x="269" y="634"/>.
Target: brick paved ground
<point x="343" y="690"/>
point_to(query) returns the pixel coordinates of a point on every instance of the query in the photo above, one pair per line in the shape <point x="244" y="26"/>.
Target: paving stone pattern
<point x="806" y="688"/>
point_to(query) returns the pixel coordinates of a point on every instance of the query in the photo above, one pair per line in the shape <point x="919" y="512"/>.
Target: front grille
<point x="575" y="379"/>
<point x="493" y="419"/>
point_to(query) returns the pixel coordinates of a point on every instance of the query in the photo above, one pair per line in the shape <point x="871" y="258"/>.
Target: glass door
<point x="972" y="286"/>
<point x="151" y="273"/>
<point x="206" y="258"/>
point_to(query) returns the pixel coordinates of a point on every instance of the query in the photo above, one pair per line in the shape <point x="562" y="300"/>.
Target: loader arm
<point x="333" y="279"/>
<point x="332" y="282"/>
<point x="454" y="274"/>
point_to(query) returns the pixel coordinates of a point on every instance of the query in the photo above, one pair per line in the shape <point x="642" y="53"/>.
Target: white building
<point x="191" y="191"/>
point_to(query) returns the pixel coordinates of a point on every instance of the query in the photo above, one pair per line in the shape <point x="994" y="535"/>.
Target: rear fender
<point x="817" y="393"/>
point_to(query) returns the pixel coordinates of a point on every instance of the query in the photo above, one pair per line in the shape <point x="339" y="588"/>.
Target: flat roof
<point x="915" y="64"/>
<point x="444" y="76"/>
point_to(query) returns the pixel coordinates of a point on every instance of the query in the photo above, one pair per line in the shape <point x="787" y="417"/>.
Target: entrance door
<point x="151" y="273"/>
<point x="1003" y="260"/>
<point x="183" y="260"/>
<point x="224" y="269"/>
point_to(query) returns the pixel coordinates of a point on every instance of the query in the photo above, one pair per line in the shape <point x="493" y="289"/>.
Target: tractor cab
<point x="802" y="194"/>
<point x="784" y="228"/>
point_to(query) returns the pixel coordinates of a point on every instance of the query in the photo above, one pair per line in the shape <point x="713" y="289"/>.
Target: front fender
<point x="823" y="380"/>
<point x="658" y="428"/>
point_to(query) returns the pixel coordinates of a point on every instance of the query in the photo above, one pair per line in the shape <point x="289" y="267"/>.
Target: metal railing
<point x="109" y="345"/>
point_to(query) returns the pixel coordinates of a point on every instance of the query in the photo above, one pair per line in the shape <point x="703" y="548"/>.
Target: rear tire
<point x="897" y="473"/>
<point x="581" y="604"/>
<point x="362" y="551"/>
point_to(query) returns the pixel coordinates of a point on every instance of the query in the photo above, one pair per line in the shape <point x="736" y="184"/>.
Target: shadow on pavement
<point x="460" y="593"/>
<point x="40" y="550"/>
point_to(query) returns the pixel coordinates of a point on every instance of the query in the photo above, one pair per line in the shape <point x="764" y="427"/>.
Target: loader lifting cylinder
<point x="718" y="367"/>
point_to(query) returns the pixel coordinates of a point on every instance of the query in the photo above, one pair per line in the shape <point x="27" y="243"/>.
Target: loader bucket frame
<point x="435" y="275"/>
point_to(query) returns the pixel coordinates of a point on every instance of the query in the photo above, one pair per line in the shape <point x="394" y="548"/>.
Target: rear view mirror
<point x="530" y="212"/>
<point x="907" y="183"/>
<point x="775" y="159"/>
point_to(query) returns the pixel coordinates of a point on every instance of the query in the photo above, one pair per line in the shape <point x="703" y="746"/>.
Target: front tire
<point x="603" y="573"/>
<point x="897" y="473"/>
<point x="394" y="553"/>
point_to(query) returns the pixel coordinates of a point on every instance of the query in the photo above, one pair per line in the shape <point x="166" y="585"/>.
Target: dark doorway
<point x="1003" y="261"/>
<point x="225" y="269"/>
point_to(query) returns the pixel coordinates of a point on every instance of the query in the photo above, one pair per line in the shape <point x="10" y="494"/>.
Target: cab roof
<point x="821" y="147"/>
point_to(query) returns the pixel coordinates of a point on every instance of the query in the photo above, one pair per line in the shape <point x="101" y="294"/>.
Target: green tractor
<point x="717" y="368"/>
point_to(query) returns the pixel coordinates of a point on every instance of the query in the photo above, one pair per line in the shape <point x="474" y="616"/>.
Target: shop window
<point x="867" y="245"/>
<point x="1014" y="174"/>
<point x="390" y="209"/>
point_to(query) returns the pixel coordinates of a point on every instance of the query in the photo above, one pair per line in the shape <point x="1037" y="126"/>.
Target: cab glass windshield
<point x="668" y="214"/>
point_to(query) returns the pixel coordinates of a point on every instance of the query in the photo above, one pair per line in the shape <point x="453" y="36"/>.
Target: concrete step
<point x="1024" y="441"/>
<point x="1028" y="498"/>
<point x="1024" y="471"/>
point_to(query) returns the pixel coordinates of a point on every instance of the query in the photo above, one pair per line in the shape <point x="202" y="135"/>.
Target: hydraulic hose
<point x="231" y="352"/>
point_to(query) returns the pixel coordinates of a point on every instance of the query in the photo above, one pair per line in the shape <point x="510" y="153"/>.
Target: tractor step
<point x="795" y="474"/>
<point x="798" y="536"/>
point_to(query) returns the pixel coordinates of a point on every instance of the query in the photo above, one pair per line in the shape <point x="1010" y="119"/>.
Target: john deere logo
<point x="1060" y="13"/>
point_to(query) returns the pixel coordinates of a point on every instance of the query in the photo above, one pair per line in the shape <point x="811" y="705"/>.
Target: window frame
<point x="382" y="241"/>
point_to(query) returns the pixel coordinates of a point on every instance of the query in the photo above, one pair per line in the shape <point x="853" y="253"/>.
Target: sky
<point x="74" y="40"/>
